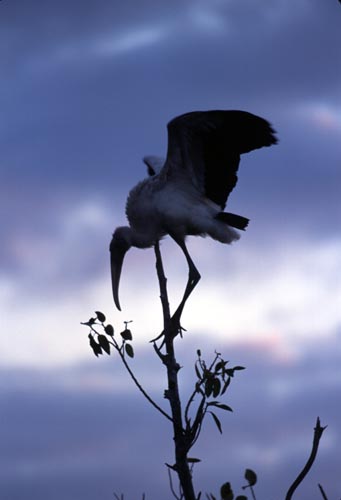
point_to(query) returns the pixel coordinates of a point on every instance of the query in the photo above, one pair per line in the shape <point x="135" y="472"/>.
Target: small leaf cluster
<point x="212" y="382"/>
<point x="226" y="492"/>
<point x="101" y="343"/>
<point x="215" y="379"/>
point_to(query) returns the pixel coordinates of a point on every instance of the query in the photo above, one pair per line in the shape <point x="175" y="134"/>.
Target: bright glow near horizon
<point x="292" y="303"/>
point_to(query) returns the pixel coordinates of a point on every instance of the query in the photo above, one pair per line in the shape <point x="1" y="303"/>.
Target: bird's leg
<point x="193" y="279"/>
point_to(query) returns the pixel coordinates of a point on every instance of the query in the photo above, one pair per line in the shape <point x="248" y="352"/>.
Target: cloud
<point x="323" y="115"/>
<point x="75" y="123"/>
<point x="130" y="41"/>
<point x="71" y="141"/>
<point x="87" y="90"/>
<point x="277" y="292"/>
<point x="280" y="293"/>
<point x="112" y="45"/>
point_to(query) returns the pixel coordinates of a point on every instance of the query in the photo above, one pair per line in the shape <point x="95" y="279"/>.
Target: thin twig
<point x="322" y="492"/>
<point x="318" y="431"/>
<point x="195" y="425"/>
<point x="190" y="401"/>
<point x="138" y="385"/>
<point x="157" y="349"/>
<point x="252" y="492"/>
<point x="171" y="484"/>
<point x="198" y="432"/>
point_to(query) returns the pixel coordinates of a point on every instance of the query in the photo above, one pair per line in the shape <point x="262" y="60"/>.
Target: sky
<point x="87" y="89"/>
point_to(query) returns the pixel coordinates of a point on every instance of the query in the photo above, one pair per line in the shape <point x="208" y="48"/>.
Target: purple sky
<point x="86" y="91"/>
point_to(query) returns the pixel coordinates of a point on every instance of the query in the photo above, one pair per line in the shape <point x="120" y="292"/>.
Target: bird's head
<point x="120" y="244"/>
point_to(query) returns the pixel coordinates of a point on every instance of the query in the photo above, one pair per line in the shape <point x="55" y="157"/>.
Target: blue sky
<point x="86" y="91"/>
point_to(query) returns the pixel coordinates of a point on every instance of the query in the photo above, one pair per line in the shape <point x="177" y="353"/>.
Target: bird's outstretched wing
<point x="207" y="146"/>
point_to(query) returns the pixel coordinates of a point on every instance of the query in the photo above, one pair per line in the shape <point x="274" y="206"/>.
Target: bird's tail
<point x="233" y="220"/>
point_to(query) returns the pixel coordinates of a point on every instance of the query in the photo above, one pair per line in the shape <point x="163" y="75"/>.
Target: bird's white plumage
<point x="156" y="207"/>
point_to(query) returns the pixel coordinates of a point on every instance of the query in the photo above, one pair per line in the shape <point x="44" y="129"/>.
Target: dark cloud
<point x="43" y="24"/>
<point x="82" y="123"/>
<point x="67" y="120"/>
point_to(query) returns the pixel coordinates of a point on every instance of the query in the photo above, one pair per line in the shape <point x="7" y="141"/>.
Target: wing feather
<point x="206" y="146"/>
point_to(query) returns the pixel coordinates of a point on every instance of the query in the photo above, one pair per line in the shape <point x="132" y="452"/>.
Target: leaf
<point x="94" y="346"/>
<point x="216" y="421"/>
<point x="129" y="350"/>
<point x="222" y="406"/>
<point x="250" y="476"/>
<point x="227" y="383"/>
<point x="216" y="387"/>
<point x="126" y="334"/>
<point x="100" y="316"/>
<point x="193" y="460"/>
<point x="241" y="497"/>
<point x="220" y="365"/>
<point x="239" y="368"/>
<point x="226" y="492"/>
<point x="209" y="386"/>
<point x="198" y="353"/>
<point x="109" y="330"/>
<point x="90" y="322"/>
<point x="104" y="343"/>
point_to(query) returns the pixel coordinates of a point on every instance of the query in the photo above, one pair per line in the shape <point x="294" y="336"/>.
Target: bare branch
<point x="171" y="486"/>
<point x="139" y="386"/>
<point x="322" y="492"/>
<point x="182" y="443"/>
<point x="318" y="431"/>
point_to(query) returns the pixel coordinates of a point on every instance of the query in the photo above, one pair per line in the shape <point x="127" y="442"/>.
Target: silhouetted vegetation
<point x="211" y="385"/>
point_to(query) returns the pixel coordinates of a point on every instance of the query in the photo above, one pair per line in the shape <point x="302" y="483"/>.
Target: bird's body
<point x="157" y="206"/>
<point x="188" y="193"/>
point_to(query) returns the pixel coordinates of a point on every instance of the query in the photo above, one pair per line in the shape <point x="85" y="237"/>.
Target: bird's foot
<point x="172" y="330"/>
<point x="180" y="330"/>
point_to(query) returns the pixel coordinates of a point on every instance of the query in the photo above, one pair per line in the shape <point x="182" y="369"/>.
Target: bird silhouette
<point x="186" y="193"/>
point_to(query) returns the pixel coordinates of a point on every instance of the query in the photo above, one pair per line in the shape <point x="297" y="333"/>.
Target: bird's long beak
<point x="118" y="249"/>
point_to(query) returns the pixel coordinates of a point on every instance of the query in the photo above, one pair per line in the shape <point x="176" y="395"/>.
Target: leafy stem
<point x="104" y="342"/>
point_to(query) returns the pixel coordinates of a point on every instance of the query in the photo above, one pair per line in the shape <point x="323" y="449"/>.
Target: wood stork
<point x="187" y="193"/>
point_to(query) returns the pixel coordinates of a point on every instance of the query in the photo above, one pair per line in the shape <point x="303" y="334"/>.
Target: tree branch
<point x="139" y="386"/>
<point x="322" y="492"/>
<point x="181" y="441"/>
<point x="318" y="431"/>
<point x="120" y="351"/>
